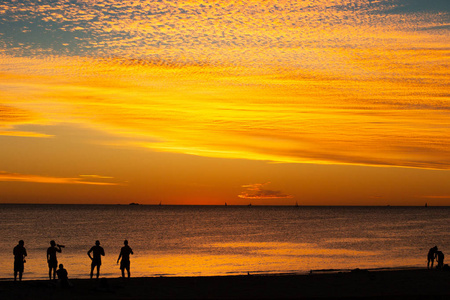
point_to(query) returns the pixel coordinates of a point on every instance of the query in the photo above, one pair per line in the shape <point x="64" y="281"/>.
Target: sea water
<point x="222" y="240"/>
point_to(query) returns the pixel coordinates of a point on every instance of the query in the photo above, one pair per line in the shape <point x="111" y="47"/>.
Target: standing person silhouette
<point x="440" y="259"/>
<point x="431" y="256"/>
<point x="19" y="252"/>
<point x="125" y="252"/>
<point x="97" y="253"/>
<point x="51" y="259"/>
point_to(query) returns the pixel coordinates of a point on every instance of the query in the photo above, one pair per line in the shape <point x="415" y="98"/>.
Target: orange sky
<point x="205" y="102"/>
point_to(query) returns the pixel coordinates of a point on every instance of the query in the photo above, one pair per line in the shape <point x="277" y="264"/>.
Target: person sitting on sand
<point x="98" y="252"/>
<point x="440" y="259"/>
<point x="431" y="256"/>
<point x="63" y="278"/>
<point x="51" y="259"/>
<point x="125" y="262"/>
<point x="19" y="252"/>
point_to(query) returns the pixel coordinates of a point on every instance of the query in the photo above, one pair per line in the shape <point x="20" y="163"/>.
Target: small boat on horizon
<point x="296" y="204"/>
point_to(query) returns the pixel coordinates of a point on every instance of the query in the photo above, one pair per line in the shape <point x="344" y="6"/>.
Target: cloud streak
<point x="16" y="177"/>
<point x="258" y="191"/>
<point x="11" y="116"/>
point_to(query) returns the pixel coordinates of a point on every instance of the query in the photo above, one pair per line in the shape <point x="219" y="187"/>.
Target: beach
<point x="357" y="284"/>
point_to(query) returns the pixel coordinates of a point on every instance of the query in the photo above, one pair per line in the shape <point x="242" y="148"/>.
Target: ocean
<point x="222" y="240"/>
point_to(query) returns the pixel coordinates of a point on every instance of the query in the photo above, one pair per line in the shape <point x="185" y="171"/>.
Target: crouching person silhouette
<point x="63" y="278"/>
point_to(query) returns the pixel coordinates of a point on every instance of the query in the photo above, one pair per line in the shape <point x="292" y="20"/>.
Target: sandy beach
<point x="392" y="284"/>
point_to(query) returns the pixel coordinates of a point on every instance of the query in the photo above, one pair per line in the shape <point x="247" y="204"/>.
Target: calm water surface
<point x="211" y="240"/>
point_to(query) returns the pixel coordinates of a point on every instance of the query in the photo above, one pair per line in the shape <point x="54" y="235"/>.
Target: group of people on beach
<point x="97" y="251"/>
<point x="95" y="254"/>
<point x="433" y="254"/>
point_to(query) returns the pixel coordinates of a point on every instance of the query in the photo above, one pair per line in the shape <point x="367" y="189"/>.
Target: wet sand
<point x="357" y="284"/>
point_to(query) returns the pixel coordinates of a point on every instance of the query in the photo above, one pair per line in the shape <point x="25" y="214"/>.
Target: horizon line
<point x="223" y="205"/>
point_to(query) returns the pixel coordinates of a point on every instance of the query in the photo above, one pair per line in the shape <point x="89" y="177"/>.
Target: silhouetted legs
<point x="128" y="272"/>
<point x="52" y="265"/>
<point x="432" y="262"/>
<point x="50" y="269"/>
<point x="15" y="275"/>
<point x="92" y="270"/>
<point x="440" y="260"/>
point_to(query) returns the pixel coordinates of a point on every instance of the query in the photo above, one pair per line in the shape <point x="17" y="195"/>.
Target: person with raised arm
<point x="52" y="260"/>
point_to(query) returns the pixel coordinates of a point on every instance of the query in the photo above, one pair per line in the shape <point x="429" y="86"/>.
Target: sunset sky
<point x="325" y="102"/>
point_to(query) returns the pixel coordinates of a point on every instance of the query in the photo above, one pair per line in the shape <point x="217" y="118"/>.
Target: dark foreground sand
<point x="398" y="284"/>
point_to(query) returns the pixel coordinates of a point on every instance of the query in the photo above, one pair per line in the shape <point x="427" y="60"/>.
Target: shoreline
<point x="232" y="274"/>
<point x="410" y="283"/>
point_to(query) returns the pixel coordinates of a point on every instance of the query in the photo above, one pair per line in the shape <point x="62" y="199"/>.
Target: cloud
<point x="97" y="176"/>
<point x="257" y="191"/>
<point x="17" y="177"/>
<point x="195" y="30"/>
<point x="24" y="134"/>
<point x="336" y="82"/>
<point x="273" y="115"/>
<point x="416" y="6"/>
<point x="11" y="116"/>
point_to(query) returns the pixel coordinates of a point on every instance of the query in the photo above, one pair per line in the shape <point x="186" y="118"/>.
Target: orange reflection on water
<point x="253" y="257"/>
<point x="290" y="249"/>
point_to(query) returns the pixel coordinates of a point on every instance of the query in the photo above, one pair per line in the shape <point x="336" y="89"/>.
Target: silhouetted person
<point x="63" y="277"/>
<point x="97" y="253"/>
<point x="431" y="256"/>
<point x="125" y="255"/>
<point x="19" y="252"/>
<point x="51" y="259"/>
<point x="440" y="259"/>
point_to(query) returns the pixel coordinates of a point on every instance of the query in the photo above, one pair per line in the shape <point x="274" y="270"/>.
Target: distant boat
<point x="249" y="205"/>
<point x="296" y="204"/>
<point x="226" y="204"/>
<point x="159" y="203"/>
<point x="426" y="204"/>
